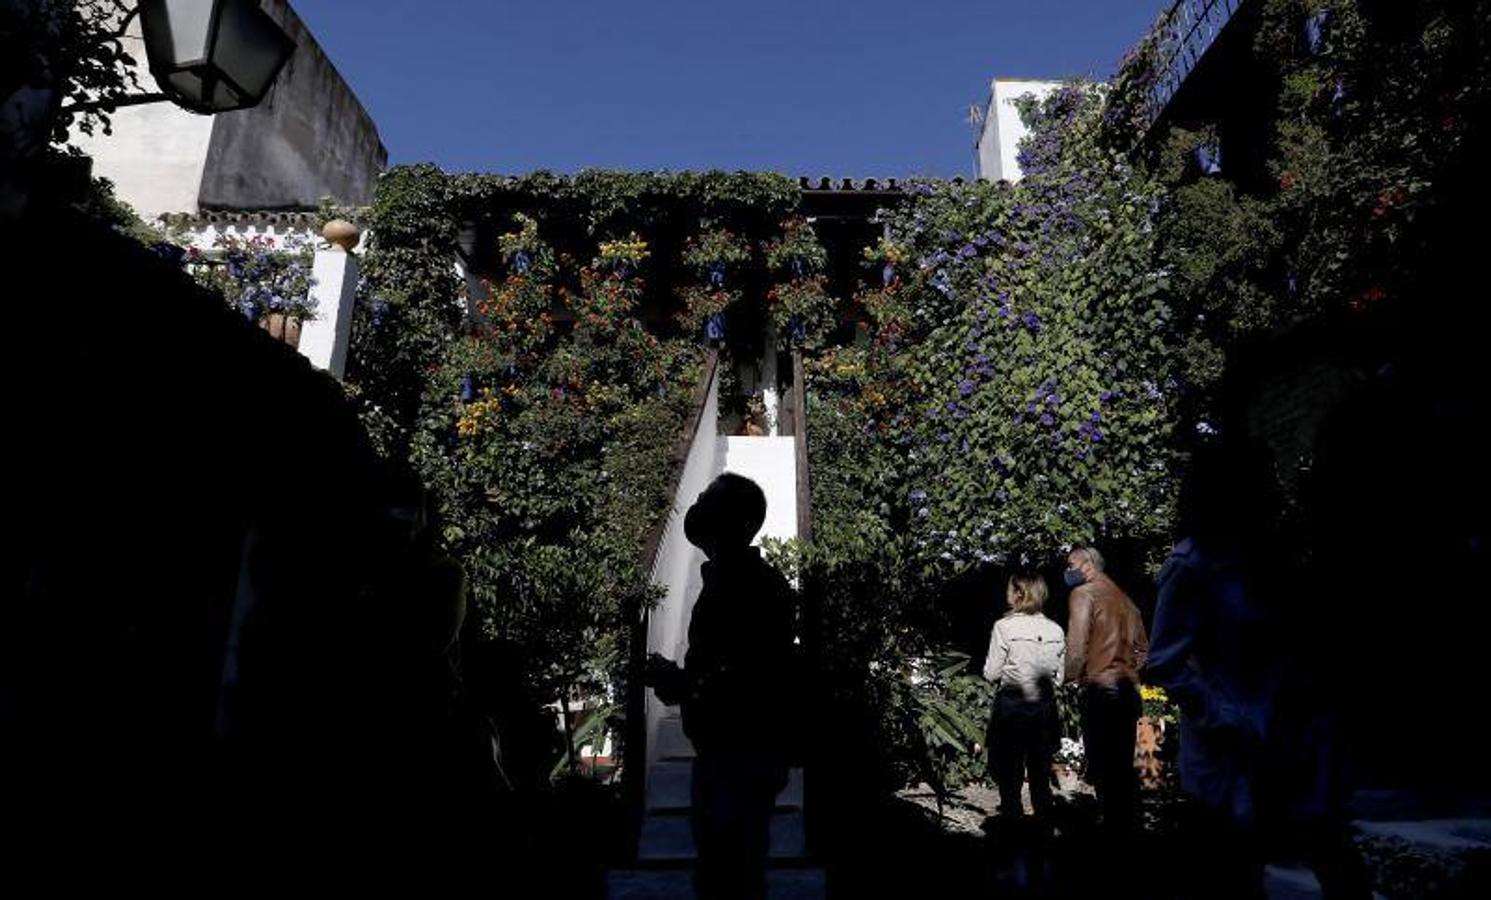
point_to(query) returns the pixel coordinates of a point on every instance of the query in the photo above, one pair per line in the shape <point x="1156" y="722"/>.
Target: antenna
<point x="975" y="122"/>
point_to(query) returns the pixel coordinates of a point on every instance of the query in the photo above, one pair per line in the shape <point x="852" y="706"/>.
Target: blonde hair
<point x="1027" y="593"/>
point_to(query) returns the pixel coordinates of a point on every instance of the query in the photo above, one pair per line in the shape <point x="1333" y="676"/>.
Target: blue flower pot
<point x="714" y="329"/>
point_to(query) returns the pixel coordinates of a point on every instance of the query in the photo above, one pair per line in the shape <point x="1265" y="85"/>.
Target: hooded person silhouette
<point x="734" y="688"/>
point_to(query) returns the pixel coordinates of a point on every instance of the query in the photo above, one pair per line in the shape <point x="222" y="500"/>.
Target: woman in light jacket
<point x="1026" y="654"/>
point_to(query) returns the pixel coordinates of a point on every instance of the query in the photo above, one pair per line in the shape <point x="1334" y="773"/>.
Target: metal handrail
<point x="1188" y="31"/>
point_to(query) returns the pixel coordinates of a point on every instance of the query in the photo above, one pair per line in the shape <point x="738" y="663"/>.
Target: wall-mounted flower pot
<point x="274" y="323"/>
<point x="714" y="329"/>
<point x="282" y="327"/>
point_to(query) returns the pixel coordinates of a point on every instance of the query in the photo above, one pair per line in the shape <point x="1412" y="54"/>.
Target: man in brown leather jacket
<point x="1106" y="647"/>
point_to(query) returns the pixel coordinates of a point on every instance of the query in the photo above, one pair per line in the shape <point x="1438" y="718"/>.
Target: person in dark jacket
<point x="733" y="688"/>
<point x="1260" y="749"/>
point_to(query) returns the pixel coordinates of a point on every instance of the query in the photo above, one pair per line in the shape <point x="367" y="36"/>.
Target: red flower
<point x="1287" y="181"/>
<point x="1367" y="297"/>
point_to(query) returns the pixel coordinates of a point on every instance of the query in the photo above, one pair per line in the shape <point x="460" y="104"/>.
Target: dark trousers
<point x="1110" y="718"/>
<point x="1022" y="739"/>
<point x="733" y="801"/>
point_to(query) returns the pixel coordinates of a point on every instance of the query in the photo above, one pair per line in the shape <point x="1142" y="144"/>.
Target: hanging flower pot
<point x="1315" y="31"/>
<point x="1209" y="157"/>
<point x="798" y="329"/>
<point x="714" y="329"/>
<point x="717" y="274"/>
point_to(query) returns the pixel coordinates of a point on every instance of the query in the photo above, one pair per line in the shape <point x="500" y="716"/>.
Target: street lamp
<point x="213" y="56"/>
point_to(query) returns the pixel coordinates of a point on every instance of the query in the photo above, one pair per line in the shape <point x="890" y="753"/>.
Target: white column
<point x="771" y="385"/>
<point x="324" y="339"/>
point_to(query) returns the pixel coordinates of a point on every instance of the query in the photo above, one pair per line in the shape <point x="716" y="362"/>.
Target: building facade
<point x="1002" y="129"/>
<point x="309" y="139"/>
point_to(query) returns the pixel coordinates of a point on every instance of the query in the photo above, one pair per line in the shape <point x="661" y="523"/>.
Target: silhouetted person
<point x="1259" y="747"/>
<point x="1024" y="663"/>
<point x="733" y="689"/>
<point x="1106" y="648"/>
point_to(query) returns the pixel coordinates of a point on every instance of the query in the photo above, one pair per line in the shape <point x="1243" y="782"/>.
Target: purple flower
<point x="965" y="387"/>
<point x="1107" y="396"/>
<point x="1032" y="321"/>
<point x="887" y="274"/>
<point x="468" y="389"/>
<point x="521" y="262"/>
<point x="918" y="496"/>
<point x="968" y="251"/>
<point x="1096" y="416"/>
<point x="717" y="274"/>
<point x="1047" y="420"/>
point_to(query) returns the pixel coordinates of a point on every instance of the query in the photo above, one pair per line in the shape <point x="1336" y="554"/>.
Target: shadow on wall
<point x="225" y="625"/>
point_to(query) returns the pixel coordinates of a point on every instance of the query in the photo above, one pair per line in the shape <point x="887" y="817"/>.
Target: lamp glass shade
<point x="213" y="56"/>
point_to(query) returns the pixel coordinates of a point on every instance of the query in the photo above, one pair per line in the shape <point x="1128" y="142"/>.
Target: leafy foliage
<point x="258" y="275"/>
<point x="541" y="407"/>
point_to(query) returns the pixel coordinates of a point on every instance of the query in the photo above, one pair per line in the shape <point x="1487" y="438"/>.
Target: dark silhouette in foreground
<point x="733" y="689"/>
<point x="1260" y="747"/>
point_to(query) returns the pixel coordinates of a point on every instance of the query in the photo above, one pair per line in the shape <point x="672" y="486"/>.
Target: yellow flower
<point x="479" y="416"/>
<point x="1157" y="694"/>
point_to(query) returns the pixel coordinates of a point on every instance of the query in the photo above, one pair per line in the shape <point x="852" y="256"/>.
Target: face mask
<point x="1074" y="577"/>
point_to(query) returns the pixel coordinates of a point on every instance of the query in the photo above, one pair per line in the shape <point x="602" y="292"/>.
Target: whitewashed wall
<point x="678" y="561"/>
<point x="999" y="143"/>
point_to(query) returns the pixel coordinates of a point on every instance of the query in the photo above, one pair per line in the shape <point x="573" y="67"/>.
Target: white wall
<point x="157" y="154"/>
<point x="677" y="565"/>
<point x="999" y="143"/>
<point x="310" y="138"/>
<point x="772" y="463"/>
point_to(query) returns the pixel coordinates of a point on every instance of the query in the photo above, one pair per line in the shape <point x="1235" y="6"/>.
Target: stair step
<point x="669" y="782"/>
<point x="670" y="838"/>
<point x="672" y="743"/>
<point x="678" y="884"/>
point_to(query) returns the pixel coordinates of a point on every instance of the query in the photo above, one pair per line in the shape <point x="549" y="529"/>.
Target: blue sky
<point x="866" y="88"/>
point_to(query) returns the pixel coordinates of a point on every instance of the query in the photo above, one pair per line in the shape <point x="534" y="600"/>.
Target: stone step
<point x="678" y="884"/>
<point x="672" y="743"/>
<point x="669" y="838"/>
<point x="668" y="783"/>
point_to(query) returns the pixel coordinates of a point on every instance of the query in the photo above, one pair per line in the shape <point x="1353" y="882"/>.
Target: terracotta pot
<point x="274" y="323"/>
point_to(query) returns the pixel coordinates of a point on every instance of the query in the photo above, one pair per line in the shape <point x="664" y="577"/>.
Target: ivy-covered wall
<point x="541" y="410"/>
